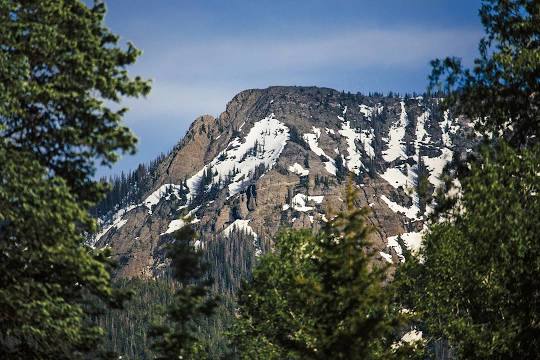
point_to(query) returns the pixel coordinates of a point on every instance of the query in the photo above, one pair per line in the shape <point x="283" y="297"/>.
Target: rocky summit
<point x="282" y="157"/>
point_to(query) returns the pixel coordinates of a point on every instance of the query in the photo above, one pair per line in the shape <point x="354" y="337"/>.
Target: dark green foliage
<point x="296" y="137"/>
<point x="320" y="297"/>
<point x="503" y="87"/>
<point x="60" y="68"/>
<point x="127" y="328"/>
<point x="230" y="260"/>
<point x="49" y="282"/>
<point x="423" y="186"/>
<point x="323" y="181"/>
<point x="177" y="336"/>
<point x="478" y="286"/>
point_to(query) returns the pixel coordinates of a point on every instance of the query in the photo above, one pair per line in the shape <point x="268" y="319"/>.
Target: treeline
<point x="126" y="189"/>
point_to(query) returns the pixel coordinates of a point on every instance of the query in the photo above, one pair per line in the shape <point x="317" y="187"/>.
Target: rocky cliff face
<point x="280" y="157"/>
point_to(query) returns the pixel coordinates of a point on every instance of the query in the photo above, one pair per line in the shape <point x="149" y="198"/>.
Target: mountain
<point x="282" y="157"/>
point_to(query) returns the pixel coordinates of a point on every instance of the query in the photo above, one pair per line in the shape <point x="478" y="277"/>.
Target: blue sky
<point x="200" y="53"/>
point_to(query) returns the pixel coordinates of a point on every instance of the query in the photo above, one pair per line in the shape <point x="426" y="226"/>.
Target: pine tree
<point x="60" y="68"/>
<point x="477" y="285"/>
<point x="49" y="283"/>
<point x="341" y="169"/>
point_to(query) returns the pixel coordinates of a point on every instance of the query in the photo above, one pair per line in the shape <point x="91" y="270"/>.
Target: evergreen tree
<point x="60" y="68"/>
<point x="477" y="285"/>
<point x="341" y="169"/>
<point x="49" y="282"/>
<point x="321" y="297"/>
<point x="177" y="337"/>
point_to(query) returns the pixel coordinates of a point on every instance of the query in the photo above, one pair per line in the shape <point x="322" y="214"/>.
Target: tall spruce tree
<point x="60" y="68"/>
<point x="321" y="297"/>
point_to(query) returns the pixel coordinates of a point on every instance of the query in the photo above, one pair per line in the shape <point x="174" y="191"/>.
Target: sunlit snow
<point x="300" y="202"/>
<point x="296" y="168"/>
<point x="353" y="160"/>
<point x="386" y="256"/>
<point x="369" y="111"/>
<point x="396" y="147"/>
<point x="165" y="190"/>
<point x="239" y="225"/>
<point x="313" y="141"/>
<point x="243" y="225"/>
<point x="174" y="226"/>
<point x="236" y="165"/>
<point x="117" y="222"/>
<point x="410" y="212"/>
<point x="413" y="241"/>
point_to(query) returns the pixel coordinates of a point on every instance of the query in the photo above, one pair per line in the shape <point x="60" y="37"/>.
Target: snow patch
<point x="239" y="225"/>
<point x="329" y="131"/>
<point x="410" y="212"/>
<point x="396" y="178"/>
<point x="165" y="190"/>
<point x="296" y="168"/>
<point x="369" y="111"/>
<point x="236" y="165"/>
<point x="409" y="337"/>
<point x="353" y="160"/>
<point x="243" y="225"/>
<point x="396" y="147"/>
<point x="313" y="141"/>
<point x="412" y="240"/>
<point x="300" y="202"/>
<point x="386" y="257"/>
<point x="179" y="223"/>
<point x="174" y="225"/>
<point x="436" y="165"/>
<point x="116" y="222"/>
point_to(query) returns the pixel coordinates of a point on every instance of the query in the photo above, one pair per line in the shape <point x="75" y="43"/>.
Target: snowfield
<point x="243" y="226"/>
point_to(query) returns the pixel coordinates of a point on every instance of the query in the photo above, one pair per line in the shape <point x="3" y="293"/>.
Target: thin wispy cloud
<point x="360" y="49"/>
<point x="198" y="78"/>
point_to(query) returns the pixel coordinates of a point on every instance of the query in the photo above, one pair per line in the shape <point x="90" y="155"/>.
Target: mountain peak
<point x="280" y="157"/>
